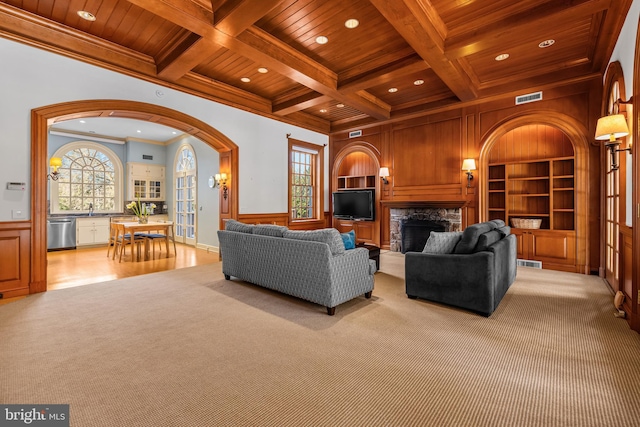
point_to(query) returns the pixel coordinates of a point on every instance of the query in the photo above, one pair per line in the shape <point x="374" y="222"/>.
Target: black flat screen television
<point x="354" y="204"/>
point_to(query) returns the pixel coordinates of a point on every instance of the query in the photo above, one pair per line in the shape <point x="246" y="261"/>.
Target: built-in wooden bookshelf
<point x="541" y="189"/>
<point x="356" y="182"/>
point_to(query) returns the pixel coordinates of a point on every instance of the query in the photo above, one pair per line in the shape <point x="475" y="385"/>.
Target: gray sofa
<point x="475" y="276"/>
<point x="312" y="265"/>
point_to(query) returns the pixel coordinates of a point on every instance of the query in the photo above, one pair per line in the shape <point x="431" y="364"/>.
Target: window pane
<point x="88" y="169"/>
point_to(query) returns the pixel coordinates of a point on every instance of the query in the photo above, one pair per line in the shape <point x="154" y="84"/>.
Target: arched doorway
<point x="42" y="117"/>
<point x="575" y="132"/>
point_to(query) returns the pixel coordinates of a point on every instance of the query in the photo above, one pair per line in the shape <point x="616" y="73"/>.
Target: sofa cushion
<point x="241" y="227"/>
<point x="349" y="239"/>
<point x="487" y="239"/>
<point x="470" y="236"/>
<point x="330" y="236"/>
<point x="498" y="223"/>
<point x="269" y="230"/>
<point x="442" y="242"/>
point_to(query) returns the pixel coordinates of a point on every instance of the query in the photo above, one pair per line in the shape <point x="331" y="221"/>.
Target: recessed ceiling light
<point x="340" y="105"/>
<point x="418" y="82"/>
<point x="321" y="40"/>
<point x="139" y="131"/>
<point x="546" y="43"/>
<point x="86" y="15"/>
<point x="263" y="70"/>
<point x="82" y="121"/>
<point x="393" y="89"/>
<point x="174" y="132"/>
<point x="245" y="79"/>
<point x="502" y="57"/>
<point x="324" y="110"/>
<point x="351" y="23"/>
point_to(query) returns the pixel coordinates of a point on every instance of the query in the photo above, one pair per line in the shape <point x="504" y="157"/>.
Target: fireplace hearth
<point x="415" y="232"/>
<point x="420" y="222"/>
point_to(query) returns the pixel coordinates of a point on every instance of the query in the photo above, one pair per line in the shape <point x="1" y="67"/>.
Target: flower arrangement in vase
<point x="141" y="210"/>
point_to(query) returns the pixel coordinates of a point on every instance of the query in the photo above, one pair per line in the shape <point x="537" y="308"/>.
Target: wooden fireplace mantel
<point x="448" y="204"/>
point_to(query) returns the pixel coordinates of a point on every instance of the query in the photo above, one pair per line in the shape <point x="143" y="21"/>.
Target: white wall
<point x="624" y="52"/>
<point x="32" y="78"/>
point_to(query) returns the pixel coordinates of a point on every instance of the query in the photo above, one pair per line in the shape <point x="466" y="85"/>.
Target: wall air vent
<point x="147" y="157"/>
<point x="528" y="263"/>
<point x="530" y="97"/>
<point x="355" y="133"/>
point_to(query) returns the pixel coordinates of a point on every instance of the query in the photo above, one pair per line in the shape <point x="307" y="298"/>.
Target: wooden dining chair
<point x="124" y="239"/>
<point x="153" y="237"/>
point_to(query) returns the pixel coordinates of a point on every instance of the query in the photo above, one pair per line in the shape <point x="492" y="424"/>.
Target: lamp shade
<point x="384" y="172"/>
<point x="468" y="165"/>
<point x="611" y="127"/>
<point x="55" y="162"/>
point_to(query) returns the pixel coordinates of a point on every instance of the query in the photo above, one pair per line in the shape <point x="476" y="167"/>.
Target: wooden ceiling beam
<point x="187" y="14"/>
<point x="232" y="18"/>
<point x="303" y="102"/>
<point x="261" y="47"/>
<point x="235" y="16"/>
<point x="184" y="57"/>
<point x="273" y="53"/>
<point x="412" y="19"/>
<point x="532" y="24"/>
<point x="383" y="75"/>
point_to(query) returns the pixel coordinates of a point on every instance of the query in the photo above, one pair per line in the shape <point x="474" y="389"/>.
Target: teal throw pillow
<point x="349" y="239"/>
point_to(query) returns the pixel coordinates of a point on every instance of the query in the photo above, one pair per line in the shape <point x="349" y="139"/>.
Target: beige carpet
<point x="187" y="348"/>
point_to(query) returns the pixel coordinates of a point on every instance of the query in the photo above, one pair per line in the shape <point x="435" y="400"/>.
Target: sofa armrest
<point x="462" y="280"/>
<point x="351" y="275"/>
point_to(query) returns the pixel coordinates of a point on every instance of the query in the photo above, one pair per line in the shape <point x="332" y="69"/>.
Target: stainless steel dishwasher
<point x="61" y="233"/>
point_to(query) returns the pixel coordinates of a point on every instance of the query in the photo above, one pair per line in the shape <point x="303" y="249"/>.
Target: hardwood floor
<point x="80" y="267"/>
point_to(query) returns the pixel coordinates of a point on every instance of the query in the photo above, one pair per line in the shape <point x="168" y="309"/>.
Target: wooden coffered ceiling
<point x="206" y="47"/>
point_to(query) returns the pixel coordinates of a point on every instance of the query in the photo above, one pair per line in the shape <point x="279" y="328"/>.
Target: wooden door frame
<point x="43" y="117"/>
<point x="634" y="320"/>
<point x="576" y="132"/>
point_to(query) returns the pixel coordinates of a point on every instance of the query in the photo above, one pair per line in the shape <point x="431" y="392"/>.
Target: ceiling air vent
<point x="530" y="97"/>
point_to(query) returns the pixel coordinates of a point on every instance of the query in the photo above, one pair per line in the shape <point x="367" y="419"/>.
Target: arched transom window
<point x="90" y="179"/>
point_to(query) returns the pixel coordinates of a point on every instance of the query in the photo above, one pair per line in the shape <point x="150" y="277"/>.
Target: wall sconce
<point x="384" y="173"/>
<point x="610" y="128"/>
<point x="220" y="181"/>
<point x="54" y="163"/>
<point x="469" y="165"/>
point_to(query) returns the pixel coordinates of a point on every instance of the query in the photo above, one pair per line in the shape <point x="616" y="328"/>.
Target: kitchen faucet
<point x="90" y="209"/>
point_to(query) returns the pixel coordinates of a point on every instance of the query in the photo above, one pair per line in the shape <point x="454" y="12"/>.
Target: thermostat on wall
<point x="16" y="185"/>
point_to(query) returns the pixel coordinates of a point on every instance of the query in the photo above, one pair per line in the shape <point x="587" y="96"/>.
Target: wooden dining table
<point x="135" y="227"/>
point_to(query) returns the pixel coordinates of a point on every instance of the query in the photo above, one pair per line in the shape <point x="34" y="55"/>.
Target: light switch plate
<point x="17" y="214"/>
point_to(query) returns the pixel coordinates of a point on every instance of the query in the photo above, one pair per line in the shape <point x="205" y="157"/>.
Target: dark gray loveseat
<point x="475" y="276"/>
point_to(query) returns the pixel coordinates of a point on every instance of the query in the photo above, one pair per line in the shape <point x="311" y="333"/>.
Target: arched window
<point x="90" y="179"/>
<point x="185" y="195"/>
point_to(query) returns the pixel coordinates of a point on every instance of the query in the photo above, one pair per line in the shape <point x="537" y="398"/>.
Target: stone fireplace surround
<point x="450" y="218"/>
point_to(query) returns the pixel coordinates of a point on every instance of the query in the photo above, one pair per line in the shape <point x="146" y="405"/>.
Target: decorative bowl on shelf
<point x="526" y="222"/>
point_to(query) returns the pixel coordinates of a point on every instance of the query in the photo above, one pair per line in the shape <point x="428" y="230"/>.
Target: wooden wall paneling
<point x="626" y="272"/>
<point x="15" y="238"/>
<point x="635" y="194"/>
<point x="265" y="218"/>
<point x="428" y="154"/>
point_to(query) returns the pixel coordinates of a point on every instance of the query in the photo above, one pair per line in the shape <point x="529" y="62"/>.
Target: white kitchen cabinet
<point x="145" y="181"/>
<point x="92" y="231"/>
